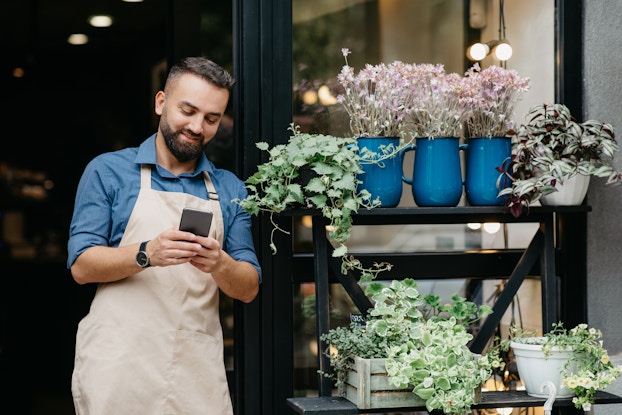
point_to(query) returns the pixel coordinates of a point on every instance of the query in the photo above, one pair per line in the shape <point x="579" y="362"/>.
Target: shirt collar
<point x="147" y="155"/>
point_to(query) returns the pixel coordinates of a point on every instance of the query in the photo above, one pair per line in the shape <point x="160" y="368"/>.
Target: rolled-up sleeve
<point x="239" y="238"/>
<point x="91" y="222"/>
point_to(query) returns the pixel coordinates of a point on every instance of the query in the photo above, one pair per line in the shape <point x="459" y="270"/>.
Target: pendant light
<point x="501" y="49"/>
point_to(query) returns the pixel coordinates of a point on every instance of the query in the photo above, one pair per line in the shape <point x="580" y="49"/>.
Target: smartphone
<point x="196" y="221"/>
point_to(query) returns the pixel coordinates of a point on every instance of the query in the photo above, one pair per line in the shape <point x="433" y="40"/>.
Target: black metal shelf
<point x="446" y="215"/>
<point x="550" y="256"/>
<point x="497" y="263"/>
<point x="330" y="405"/>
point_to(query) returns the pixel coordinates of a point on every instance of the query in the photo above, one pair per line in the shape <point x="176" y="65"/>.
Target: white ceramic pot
<point x="534" y="368"/>
<point x="571" y="193"/>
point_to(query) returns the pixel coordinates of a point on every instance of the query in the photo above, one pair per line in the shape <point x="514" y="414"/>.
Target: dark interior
<point x="72" y="103"/>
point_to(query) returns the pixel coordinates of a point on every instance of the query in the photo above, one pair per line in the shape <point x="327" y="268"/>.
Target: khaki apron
<point x="152" y="343"/>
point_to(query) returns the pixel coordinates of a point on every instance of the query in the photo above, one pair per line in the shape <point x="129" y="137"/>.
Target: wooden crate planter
<point x="367" y="387"/>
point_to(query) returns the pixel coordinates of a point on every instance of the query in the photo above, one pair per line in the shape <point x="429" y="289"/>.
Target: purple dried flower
<point x="490" y="96"/>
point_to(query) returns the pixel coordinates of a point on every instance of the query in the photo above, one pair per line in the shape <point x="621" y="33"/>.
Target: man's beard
<point x="183" y="151"/>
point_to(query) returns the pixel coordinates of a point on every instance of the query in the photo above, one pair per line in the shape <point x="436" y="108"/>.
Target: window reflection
<point x="374" y="31"/>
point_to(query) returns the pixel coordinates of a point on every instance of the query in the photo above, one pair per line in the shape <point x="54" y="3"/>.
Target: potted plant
<point x="422" y="344"/>
<point x="551" y="148"/>
<point x="313" y="171"/>
<point x="489" y="98"/>
<point x="578" y="363"/>
<point x="435" y="118"/>
<point x="375" y="100"/>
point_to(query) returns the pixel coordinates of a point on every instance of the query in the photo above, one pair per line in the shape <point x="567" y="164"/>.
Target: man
<point x="152" y="341"/>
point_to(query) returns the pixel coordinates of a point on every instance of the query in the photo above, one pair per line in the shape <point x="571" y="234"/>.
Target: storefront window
<point x="411" y="31"/>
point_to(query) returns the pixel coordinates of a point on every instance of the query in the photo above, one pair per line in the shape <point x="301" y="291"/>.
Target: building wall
<point x="603" y="92"/>
<point x="602" y="95"/>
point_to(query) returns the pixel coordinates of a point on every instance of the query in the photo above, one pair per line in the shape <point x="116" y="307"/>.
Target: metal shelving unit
<point x="556" y="254"/>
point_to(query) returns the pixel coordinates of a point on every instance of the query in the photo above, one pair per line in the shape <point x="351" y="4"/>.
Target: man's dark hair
<point x="203" y="67"/>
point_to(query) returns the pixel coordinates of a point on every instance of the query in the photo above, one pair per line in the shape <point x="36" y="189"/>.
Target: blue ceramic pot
<point x="437" y="176"/>
<point x="486" y="161"/>
<point x="383" y="179"/>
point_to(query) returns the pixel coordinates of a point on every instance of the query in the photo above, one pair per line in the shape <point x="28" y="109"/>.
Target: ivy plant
<point x="332" y="188"/>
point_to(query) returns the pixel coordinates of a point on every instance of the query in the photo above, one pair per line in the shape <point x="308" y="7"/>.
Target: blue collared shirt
<point x="109" y="187"/>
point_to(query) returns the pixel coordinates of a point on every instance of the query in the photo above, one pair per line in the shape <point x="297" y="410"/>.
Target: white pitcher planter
<point x="570" y="193"/>
<point x="535" y="368"/>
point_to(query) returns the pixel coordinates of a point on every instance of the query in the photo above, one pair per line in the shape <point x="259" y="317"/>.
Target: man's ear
<point x="160" y="98"/>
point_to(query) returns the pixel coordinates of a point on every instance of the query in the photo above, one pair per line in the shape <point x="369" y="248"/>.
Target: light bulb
<point x="503" y="51"/>
<point x="326" y="97"/>
<point x="307" y="221"/>
<point x="492" y="227"/>
<point x="100" y="20"/>
<point x="78" y="39"/>
<point x="309" y="97"/>
<point x="18" y="72"/>
<point x="478" y="51"/>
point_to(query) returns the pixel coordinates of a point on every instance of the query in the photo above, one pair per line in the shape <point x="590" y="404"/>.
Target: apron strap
<point x="214" y="200"/>
<point x="145" y="176"/>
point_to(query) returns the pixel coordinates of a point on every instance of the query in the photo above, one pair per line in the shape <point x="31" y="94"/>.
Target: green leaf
<point x="443" y="383"/>
<point x="424" y="393"/>
<point x="433" y="300"/>
<point x="347" y="182"/>
<point x="319" y="200"/>
<point x="333" y="193"/>
<point x="485" y="310"/>
<point x="426" y="339"/>
<point x="373" y="288"/>
<point x="322" y="169"/>
<point x="316" y="185"/>
<point x="340" y="251"/>
<point x="262" y="145"/>
<point x="451" y="360"/>
<point x="336" y="213"/>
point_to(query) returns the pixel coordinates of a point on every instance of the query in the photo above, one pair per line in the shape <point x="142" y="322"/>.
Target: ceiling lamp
<point x="501" y="49"/>
<point x="100" y="20"/>
<point x="78" y="39"/>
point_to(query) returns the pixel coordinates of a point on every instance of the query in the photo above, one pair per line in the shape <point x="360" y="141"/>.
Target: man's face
<point x="190" y="113"/>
